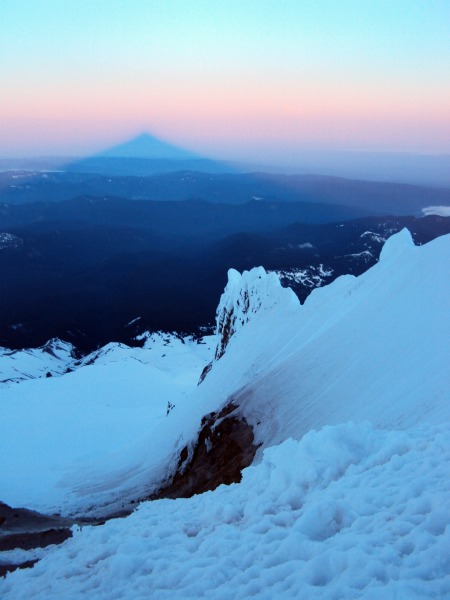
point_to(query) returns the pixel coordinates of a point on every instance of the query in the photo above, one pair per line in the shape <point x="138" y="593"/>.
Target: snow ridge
<point x="52" y="359"/>
<point x="244" y="296"/>
<point x="369" y="347"/>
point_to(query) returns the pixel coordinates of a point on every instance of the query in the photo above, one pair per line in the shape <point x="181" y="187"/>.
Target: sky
<point x="233" y="79"/>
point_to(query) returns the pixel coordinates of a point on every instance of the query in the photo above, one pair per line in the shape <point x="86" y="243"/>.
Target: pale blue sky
<point x="226" y="75"/>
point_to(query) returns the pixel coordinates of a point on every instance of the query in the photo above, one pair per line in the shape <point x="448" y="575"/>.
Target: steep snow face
<point x="373" y="347"/>
<point x="246" y="295"/>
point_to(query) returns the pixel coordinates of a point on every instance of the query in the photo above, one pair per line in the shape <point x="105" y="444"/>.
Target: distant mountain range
<point x="84" y="254"/>
<point x="147" y="155"/>
<point x="84" y="270"/>
<point x="23" y="187"/>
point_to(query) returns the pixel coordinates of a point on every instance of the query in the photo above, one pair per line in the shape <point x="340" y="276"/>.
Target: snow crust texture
<point x="347" y="512"/>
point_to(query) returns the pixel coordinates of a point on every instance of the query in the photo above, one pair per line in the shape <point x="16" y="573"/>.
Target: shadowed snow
<point x="348" y="395"/>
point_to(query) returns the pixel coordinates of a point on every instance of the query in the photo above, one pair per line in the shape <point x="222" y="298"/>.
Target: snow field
<point x="347" y="512"/>
<point x="92" y="438"/>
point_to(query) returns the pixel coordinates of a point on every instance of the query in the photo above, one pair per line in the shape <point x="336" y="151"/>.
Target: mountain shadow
<point x="146" y="155"/>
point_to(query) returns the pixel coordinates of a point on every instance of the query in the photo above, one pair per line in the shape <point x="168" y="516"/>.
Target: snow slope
<point x="348" y="497"/>
<point x="373" y="347"/>
<point x="348" y="512"/>
<point x="101" y="434"/>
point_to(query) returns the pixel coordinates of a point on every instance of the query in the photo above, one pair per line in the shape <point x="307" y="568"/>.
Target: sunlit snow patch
<point x="441" y="211"/>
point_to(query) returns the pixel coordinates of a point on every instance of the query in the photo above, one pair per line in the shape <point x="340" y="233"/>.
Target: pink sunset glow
<point x="323" y="77"/>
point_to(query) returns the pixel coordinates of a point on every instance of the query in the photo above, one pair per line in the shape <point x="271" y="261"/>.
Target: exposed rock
<point x="9" y="567"/>
<point x="205" y="372"/>
<point x="36" y="539"/>
<point x="243" y="297"/>
<point x="26" y="529"/>
<point x="225" y="446"/>
<point x="23" y="528"/>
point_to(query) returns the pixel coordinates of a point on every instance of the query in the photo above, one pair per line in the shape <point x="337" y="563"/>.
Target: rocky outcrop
<point x="26" y="529"/>
<point x="243" y="297"/>
<point x="224" y="446"/>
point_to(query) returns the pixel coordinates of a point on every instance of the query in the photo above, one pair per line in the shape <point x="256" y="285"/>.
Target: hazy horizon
<point x="252" y="81"/>
<point x="393" y="167"/>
